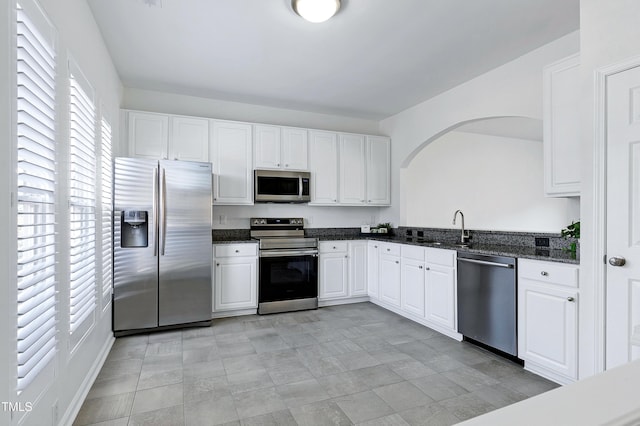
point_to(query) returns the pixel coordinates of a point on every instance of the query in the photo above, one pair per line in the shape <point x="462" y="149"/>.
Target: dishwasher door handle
<point x="484" y="262"/>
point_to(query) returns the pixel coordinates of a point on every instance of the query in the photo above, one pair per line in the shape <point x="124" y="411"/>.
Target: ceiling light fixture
<point x="316" y="10"/>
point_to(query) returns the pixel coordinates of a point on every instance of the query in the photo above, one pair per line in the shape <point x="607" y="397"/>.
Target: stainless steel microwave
<point x="279" y="186"/>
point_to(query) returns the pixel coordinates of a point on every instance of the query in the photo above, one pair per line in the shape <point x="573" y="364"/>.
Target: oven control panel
<point x="294" y="222"/>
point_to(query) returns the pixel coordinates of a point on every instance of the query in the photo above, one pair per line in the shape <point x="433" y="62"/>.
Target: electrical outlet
<point x="542" y="242"/>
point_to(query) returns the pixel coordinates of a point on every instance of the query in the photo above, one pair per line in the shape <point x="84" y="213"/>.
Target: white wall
<point x="169" y="103"/>
<point x="505" y="192"/>
<point x="609" y="34"/>
<point x="513" y="89"/>
<point x="79" y="37"/>
<point x="238" y="216"/>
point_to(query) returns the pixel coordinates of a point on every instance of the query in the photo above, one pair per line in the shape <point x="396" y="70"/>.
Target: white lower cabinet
<point x="358" y="268"/>
<point x="441" y="296"/>
<point x="342" y="270"/>
<point x="333" y="274"/>
<point x="441" y="288"/>
<point x="373" y="253"/>
<point x="412" y="286"/>
<point x="235" y="277"/>
<point x="389" y="274"/>
<point x="548" y="319"/>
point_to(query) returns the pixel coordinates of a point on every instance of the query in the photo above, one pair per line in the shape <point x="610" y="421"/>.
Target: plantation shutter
<point x="107" y="206"/>
<point x="35" y="201"/>
<point x="82" y="204"/>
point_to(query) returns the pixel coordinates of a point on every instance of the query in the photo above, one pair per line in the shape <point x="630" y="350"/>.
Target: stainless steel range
<point x="288" y="266"/>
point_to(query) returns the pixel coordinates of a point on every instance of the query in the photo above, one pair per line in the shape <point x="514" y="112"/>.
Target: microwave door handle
<point x="300" y="187"/>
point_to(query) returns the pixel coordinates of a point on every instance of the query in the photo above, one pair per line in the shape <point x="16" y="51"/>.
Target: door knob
<point x="617" y="261"/>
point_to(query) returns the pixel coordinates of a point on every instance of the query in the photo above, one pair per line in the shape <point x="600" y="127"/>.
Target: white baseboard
<point x="449" y="333"/>
<point x="548" y="373"/>
<point x="76" y="403"/>
<point x="334" y="302"/>
<point x="237" y="313"/>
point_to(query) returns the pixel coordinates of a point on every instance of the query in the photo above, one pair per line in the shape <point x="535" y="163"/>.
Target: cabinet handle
<point x="335" y="201"/>
<point x="345" y="256"/>
<point x="278" y="164"/>
<point x="375" y="246"/>
<point x="427" y="268"/>
<point x="334" y="247"/>
<point x="388" y="249"/>
<point x="217" y="264"/>
<point x="237" y="251"/>
<point x="397" y="261"/>
<point x="544" y="273"/>
<point x="286" y="165"/>
<point x="570" y="299"/>
<point x="420" y="266"/>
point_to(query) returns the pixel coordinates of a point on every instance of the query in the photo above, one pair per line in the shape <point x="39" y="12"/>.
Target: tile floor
<point x="341" y="365"/>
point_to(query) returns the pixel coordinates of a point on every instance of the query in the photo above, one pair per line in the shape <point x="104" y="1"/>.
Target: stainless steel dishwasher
<point x="487" y="300"/>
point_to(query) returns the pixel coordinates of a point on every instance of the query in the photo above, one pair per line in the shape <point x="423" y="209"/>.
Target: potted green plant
<point x="572" y="231"/>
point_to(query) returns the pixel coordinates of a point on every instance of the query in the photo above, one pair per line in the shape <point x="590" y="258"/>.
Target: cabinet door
<point x="231" y="159"/>
<point x="562" y="127"/>
<point x="323" y="159"/>
<point x="441" y="296"/>
<point x="294" y="148"/>
<point x="267" y="147"/>
<point x="189" y="139"/>
<point x="378" y="170"/>
<point x="412" y="286"/>
<point x="352" y="169"/>
<point x="358" y="268"/>
<point x="333" y="276"/>
<point x="148" y="135"/>
<point x="236" y="283"/>
<point x="373" y="251"/>
<point x="389" y="279"/>
<point x="547" y="326"/>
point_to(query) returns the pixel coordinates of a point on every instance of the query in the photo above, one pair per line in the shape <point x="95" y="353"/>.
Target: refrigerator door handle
<point x="163" y="208"/>
<point x="155" y="212"/>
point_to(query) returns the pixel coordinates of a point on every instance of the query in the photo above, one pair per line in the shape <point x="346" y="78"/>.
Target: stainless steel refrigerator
<point x="162" y="244"/>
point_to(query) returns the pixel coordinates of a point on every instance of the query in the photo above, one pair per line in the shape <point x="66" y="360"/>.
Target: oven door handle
<point x="288" y="253"/>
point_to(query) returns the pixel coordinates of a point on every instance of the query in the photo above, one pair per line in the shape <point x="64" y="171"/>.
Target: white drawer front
<point x="412" y="252"/>
<point x="549" y="272"/>
<point x="441" y="257"/>
<point x="332" y="246"/>
<point x="390" y="248"/>
<point x="228" y="250"/>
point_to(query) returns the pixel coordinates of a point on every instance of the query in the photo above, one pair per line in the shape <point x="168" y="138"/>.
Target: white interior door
<point x="623" y="218"/>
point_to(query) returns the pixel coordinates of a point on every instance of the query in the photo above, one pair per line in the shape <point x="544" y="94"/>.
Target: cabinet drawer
<point x="441" y="257"/>
<point x="332" y="246"/>
<point x="227" y="250"/>
<point x="412" y="252"/>
<point x="548" y="272"/>
<point x="389" y="248"/>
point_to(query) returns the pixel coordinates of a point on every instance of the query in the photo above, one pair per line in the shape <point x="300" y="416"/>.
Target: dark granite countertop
<point x="523" y="252"/>
<point x="552" y="255"/>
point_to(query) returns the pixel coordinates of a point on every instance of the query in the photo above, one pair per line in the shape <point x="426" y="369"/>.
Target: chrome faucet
<point x="464" y="237"/>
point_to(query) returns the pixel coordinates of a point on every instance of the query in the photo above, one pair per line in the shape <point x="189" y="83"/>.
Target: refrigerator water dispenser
<point x="135" y="229"/>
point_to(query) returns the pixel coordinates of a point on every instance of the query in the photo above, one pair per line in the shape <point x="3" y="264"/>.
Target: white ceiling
<point x="374" y="59"/>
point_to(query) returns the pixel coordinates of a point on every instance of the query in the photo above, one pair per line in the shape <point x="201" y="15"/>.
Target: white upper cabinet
<point x="378" y="170"/>
<point x="148" y="135"/>
<point x="295" y="148"/>
<point x="352" y="169"/>
<point x="161" y="136"/>
<point x="267" y="147"/>
<point x="189" y="139"/>
<point x="562" y="127"/>
<point x="323" y="154"/>
<point x="280" y="147"/>
<point x="231" y="156"/>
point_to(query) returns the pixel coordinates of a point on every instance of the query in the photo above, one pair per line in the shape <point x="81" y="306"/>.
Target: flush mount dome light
<point x="316" y="10"/>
